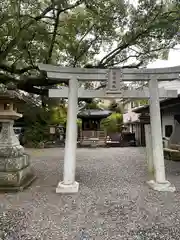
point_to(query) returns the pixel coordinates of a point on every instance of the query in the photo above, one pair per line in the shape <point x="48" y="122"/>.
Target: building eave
<point x="163" y="104"/>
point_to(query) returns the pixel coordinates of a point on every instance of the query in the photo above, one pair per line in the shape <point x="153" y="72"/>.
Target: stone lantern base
<point x="15" y="170"/>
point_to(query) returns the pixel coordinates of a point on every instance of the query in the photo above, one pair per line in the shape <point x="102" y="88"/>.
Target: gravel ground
<point x="114" y="201"/>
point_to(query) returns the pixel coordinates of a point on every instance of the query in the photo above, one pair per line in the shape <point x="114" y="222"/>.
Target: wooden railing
<point x="93" y="134"/>
<point x="87" y="136"/>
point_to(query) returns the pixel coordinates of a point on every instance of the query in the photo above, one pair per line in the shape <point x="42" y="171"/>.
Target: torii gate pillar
<point x="159" y="183"/>
<point x="69" y="185"/>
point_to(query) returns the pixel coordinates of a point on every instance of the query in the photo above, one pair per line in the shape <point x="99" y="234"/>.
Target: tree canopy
<point x="75" y="32"/>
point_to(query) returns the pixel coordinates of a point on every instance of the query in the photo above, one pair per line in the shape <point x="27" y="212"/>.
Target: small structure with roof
<point x="15" y="170"/>
<point x="90" y="132"/>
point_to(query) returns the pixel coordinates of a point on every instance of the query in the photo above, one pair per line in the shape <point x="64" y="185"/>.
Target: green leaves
<point x="103" y="33"/>
<point x="112" y="123"/>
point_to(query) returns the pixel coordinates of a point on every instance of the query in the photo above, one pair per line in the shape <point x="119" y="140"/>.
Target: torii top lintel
<point x="95" y="74"/>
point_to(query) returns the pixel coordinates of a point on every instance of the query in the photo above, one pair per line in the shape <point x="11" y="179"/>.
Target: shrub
<point x="112" y="123"/>
<point x="35" y="134"/>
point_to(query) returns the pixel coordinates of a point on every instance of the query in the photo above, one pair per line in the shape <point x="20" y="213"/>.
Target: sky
<point x="173" y="60"/>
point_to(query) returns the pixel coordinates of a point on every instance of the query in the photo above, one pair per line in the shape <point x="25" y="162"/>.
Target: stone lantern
<point x="15" y="170"/>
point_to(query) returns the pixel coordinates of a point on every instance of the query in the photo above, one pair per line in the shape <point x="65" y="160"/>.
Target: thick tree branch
<point x="122" y="60"/>
<point x="81" y="54"/>
<point x="12" y="70"/>
<point x="29" y="84"/>
<point x="38" y="81"/>
<point x="86" y="33"/>
<point x="133" y="37"/>
<point x="32" y="89"/>
<point x="134" y="65"/>
<point x="79" y="2"/>
<point x="124" y="45"/>
<point x="138" y="54"/>
<point x="6" y="79"/>
<point x="30" y="57"/>
<point x="48" y="60"/>
<point x="101" y="86"/>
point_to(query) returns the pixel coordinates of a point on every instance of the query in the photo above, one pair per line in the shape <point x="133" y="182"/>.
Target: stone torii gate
<point x="114" y="78"/>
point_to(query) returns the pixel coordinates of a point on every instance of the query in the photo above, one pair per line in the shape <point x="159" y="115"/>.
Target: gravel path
<point x="113" y="202"/>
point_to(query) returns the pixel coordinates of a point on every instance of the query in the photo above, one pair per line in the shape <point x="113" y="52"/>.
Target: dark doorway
<point x="168" y="130"/>
<point x="143" y="142"/>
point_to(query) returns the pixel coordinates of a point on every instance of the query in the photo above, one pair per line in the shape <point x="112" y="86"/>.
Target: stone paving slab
<point x="113" y="202"/>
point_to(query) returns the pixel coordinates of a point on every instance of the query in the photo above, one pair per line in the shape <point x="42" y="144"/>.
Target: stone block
<point x="16" y="179"/>
<point x="13" y="164"/>
<point x="11" y="151"/>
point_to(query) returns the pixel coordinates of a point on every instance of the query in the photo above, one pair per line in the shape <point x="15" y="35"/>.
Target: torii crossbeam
<point x="104" y="94"/>
<point x="114" y="78"/>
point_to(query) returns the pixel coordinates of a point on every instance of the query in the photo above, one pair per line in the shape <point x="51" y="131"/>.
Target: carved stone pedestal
<point x="15" y="170"/>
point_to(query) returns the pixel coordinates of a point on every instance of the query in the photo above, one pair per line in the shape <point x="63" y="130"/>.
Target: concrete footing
<point x="161" y="187"/>
<point x="67" y="188"/>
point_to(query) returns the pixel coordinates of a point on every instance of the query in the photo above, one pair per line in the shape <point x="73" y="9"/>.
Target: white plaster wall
<point x="130" y="117"/>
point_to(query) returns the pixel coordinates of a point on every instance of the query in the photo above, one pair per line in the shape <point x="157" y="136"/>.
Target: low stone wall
<point x="171" y="154"/>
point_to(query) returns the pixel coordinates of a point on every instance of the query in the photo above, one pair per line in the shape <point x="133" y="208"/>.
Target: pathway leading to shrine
<point x="113" y="202"/>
